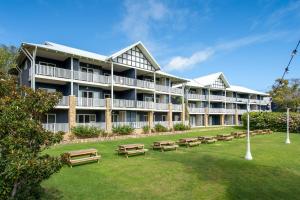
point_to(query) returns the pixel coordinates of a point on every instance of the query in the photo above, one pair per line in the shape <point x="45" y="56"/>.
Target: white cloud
<point x="180" y="63"/>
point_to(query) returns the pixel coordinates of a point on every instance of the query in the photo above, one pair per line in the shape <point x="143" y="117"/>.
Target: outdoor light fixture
<point x="248" y="151"/>
<point x="287" y="141"/>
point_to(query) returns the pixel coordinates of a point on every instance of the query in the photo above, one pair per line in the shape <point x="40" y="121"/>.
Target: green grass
<point x="215" y="171"/>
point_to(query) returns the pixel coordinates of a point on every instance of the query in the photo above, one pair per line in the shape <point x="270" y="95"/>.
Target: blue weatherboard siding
<point x="25" y="66"/>
<point x="61" y="115"/>
<point x="100" y="114"/>
<point x="64" y="89"/>
<point x="127" y="94"/>
<point x="158" y="116"/>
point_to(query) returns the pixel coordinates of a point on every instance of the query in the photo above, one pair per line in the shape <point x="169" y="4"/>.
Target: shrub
<point x="275" y="121"/>
<point x="86" y="131"/>
<point x="181" y="127"/>
<point x="160" y="128"/>
<point x="146" y="129"/>
<point x="123" y="130"/>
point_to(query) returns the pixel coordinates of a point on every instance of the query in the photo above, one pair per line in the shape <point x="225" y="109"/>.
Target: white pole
<point x="248" y="152"/>
<point x="287" y="141"/>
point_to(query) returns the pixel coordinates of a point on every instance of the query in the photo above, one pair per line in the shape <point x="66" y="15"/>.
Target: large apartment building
<point x="128" y="88"/>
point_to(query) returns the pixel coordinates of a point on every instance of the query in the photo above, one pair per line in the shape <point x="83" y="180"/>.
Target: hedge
<point x="123" y="130"/>
<point x="181" y="127"/>
<point x="275" y="121"/>
<point x="87" y="131"/>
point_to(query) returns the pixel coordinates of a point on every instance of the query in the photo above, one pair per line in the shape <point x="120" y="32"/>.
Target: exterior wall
<point x="100" y="115"/>
<point x="64" y="89"/>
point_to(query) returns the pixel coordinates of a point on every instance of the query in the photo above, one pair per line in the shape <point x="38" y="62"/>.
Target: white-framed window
<point x="47" y="64"/>
<point x="86" y="118"/>
<point x="87" y="70"/>
<point x="147" y="98"/>
<point x="87" y="94"/>
<point x="50" y="118"/>
<point x="115" y="117"/>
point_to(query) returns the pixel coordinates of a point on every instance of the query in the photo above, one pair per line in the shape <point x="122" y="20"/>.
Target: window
<point x="86" y="118"/>
<point x="49" y="90"/>
<point x="147" y="98"/>
<point x="115" y="117"/>
<point x="49" y="119"/>
<point x="87" y="94"/>
<point x="163" y="118"/>
<point x="219" y="84"/>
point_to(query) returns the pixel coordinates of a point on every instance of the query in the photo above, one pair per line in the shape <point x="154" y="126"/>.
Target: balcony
<point x="177" y="107"/>
<point x="92" y="77"/>
<point x="230" y="111"/>
<point x="162" y="88"/>
<point x="162" y="106"/>
<point x="217" y="110"/>
<point x="176" y="91"/>
<point x="64" y="101"/>
<point x="52" y="71"/>
<point x="243" y="100"/>
<point x="241" y="111"/>
<point x="90" y="102"/>
<point x="145" y="104"/>
<point x="254" y="101"/>
<point x="197" y="96"/>
<point x="230" y="99"/>
<point x="133" y="82"/>
<point x="216" y="98"/>
<point x="132" y="124"/>
<point x="56" y="127"/>
<point x="196" y="110"/>
<point x="99" y="125"/>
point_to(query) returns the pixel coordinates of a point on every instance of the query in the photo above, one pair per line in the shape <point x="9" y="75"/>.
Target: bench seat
<point x="209" y="141"/>
<point x="170" y="147"/>
<point x="192" y="144"/>
<point x="86" y="159"/>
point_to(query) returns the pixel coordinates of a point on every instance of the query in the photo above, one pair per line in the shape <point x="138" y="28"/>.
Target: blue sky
<point x="250" y="41"/>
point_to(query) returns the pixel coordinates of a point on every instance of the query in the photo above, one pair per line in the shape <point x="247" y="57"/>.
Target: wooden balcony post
<point x="150" y="119"/>
<point x="170" y="116"/>
<point x="72" y="112"/>
<point x="222" y="119"/>
<point x="206" y="117"/>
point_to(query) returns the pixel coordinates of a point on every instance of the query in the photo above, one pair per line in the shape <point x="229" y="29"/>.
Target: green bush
<point x="123" y="130"/>
<point x="160" y="128"/>
<point x="275" y="121"/>
<point x="146" y="129"/>
<point x="87" y="131"/>
<point x="181" y="127"/>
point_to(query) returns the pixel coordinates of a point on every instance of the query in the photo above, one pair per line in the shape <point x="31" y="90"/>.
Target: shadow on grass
<point x="244" y="179"/>
<point x="52" y="193"/>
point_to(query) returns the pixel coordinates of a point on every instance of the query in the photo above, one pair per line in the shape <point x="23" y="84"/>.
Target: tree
<point x="7" y="58"/>
<point x="285" y="94"/>
<point x="23" y="165"/>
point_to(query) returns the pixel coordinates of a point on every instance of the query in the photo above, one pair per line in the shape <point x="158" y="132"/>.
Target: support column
<point x="236" y="118"/>
<point x="72" y="112"/>
<point x="108" y="114"/>
<point x="151" y="119"/>
<point x="170" y="116"/>
<point x="222" y="120"/>
<point x="206" y="118"/>
<point x="183" y="113"/>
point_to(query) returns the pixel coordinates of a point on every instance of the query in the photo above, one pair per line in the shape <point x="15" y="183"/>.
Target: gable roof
<point x="236" y="88"/>
<point x="211" y="78"/>
<point x="144" y="50"/>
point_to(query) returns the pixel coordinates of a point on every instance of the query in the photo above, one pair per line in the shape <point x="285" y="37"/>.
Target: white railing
<point x="132" y="124"/>
<point x="145" y="104"/>
<point x="244" y="100"/>
<point x="90" y="102"/>
<point x="177" y="107"/>
<point x="176" y="91"/>
<point x="64" y="101"/>
<point x="216" y="98"/>
<point x="55" y="127"/>
<point x="163" y="123"/>
<point x="91" y="77"/>
<point x="144" y="84"/>
<point x="217" y="110"/>
<point x="52" y="71"/>
<point x="230" y="99"/>
<point x="162" y="88"/>
<point x="196" y="96"/>
<point x="240" y="111"/>
<point x="100" y="125"/>
<point x="177" y="122"/>
<point x="162" y="106"/>
<point x="124" y="81"/>
<point x="230" y="111"/>
<point x="124" y="103"/>
<point x="254" y="101"/>
<point x="196" y="110"/>
<point x="186" y="123"/>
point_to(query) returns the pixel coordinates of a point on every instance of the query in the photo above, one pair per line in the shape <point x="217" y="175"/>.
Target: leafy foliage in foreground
<point x="22" y="139"/>
<point x="86" y="131"/>
<point x="160" y="128"/>
<point x="123" y="130"/>
<point x="181" y="127"/>
<point x="275" y="121"/>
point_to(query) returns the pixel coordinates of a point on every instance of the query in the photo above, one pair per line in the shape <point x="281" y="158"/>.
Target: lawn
<point x="215" y="171"/>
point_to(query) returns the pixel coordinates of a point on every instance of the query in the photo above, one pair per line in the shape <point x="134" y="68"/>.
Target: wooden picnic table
<point x="131" y="149"/>
<point x="82" y="156"/>
<point x="207" y="139"/>
<point x="164" y="145"/>
<point x="224" y="137"/>
<point x="239" y="134"/>
<point x="189" y="142"/>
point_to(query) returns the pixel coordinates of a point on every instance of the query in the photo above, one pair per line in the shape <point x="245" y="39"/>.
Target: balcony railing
<point x="132" y="124"/>
<point x="52" y="71"/>
<point x="55" y="127"/>
<point x="230" y="111"/>
<point x="162" y="88"/>
<point x="90" y="102"/>
<point x="244" y="100"/>
<point x="176" y="91"/>
<point x="124" y="81"/>
<point x="254" y="101"/>
<point x="196" y="110"/>
<point x="145" y="104"/>
<point x="162" y="106"/>
<point x="217" y="110"/>
<point x="124" y="103"/>
<point x="144" y="84"/>
<point x="92" y="77"/>
<point x="196" y="96"/>
<point x="99" y="125"/>
<point x="230" y="99"/>
<point x="241" y="111"/>
<point x="177" y="122"/>
<point x="64" y="101"/>
<point x="216" y="98"/>
<point x="177" y="107"/>
<point x="163" y="123"/>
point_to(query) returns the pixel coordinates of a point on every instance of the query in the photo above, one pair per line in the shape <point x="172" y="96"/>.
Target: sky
<point x="249" y="41"/>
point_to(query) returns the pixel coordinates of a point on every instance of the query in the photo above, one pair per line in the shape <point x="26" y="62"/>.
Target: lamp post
<point x="287" y="141"/>
<point x="248" y="151"/>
